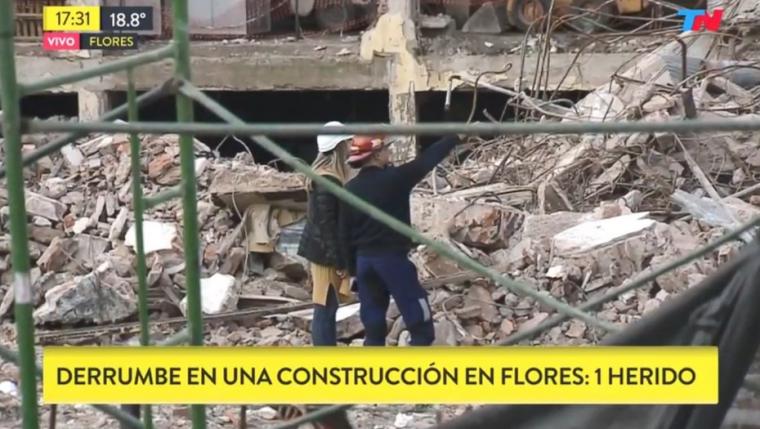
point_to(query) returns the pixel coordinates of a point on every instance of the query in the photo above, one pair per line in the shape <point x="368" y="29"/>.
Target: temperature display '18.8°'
<point x="126" y="18"/>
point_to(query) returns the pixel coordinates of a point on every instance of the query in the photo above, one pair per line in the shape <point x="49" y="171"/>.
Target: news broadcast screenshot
<point x="379" y="214"/>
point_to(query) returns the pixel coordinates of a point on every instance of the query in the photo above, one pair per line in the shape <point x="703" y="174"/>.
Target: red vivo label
<point x="60" y="42"/>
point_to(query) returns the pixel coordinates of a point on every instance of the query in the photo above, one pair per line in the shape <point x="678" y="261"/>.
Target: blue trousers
<point x="323" y="330"/>
<point x="382" y="275"/>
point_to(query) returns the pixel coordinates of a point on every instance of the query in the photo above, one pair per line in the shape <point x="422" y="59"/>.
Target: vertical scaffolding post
<point x="188" y="190"/>
<point x="138" y="204"/>
<point x="9" y="94"/>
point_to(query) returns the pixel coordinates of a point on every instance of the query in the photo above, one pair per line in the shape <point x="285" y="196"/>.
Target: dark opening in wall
<point x="430" y="107"/>
<point x="48" y="105"/>
<point x="277" y="107"/>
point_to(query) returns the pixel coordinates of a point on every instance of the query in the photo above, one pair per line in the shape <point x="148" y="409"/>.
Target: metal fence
<point x="180" y="85"/>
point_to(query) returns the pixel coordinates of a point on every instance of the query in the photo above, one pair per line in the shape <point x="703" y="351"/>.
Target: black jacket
<point x="319" y="242"/>
<point x="388" y="189"/>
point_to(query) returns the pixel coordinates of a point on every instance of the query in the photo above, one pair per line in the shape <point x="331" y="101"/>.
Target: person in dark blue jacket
<point x="377" y="256"/>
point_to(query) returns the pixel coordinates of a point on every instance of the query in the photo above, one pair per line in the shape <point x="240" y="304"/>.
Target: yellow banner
<point x="380" y="375"/>
<point x="71" y="18"/>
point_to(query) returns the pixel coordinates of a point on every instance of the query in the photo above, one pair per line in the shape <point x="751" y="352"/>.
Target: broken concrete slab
<point x="219" y="293"/>
<point x="73" y="155"/>
<point x="595" y="234"/>
<point x="40" y="205"/>
<point x="544" y="227"/>
<point x="156" y="236"/>
<point x="445" y="333"/>
<point x="480" y="297"/>
<point x="729" y="212"/>
<point x="246" y="185"/>
<point x="434" y="215"/>
<point x="87" y="299"/>
<point x="57" y="254"/>
<point x="44" y="235"/>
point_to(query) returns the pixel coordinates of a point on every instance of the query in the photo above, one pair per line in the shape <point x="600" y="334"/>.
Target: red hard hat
<point x="362" y="147"/>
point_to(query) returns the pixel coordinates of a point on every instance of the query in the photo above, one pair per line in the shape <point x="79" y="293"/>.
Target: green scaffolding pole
<point x="188" y="191"/>
<point x="138" y="204"/>
<point x="22" y="285"/>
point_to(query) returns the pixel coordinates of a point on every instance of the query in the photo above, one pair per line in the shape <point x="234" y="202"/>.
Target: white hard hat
<point x="326" y="143"/>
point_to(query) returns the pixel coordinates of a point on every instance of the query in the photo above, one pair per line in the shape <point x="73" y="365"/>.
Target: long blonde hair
<point x="331" y="163"/>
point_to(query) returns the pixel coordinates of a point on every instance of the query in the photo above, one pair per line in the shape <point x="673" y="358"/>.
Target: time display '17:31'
<point x="77" y="18"/>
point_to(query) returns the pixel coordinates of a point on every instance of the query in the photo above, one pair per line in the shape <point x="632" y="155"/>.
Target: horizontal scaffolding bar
<point x="100" y="70"/>
<point x="55" y="145"/>
<point x="427" y="129"/>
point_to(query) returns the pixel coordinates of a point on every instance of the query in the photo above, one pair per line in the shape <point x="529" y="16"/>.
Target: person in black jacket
<point x="378" y="255"/>
<point x="319" y="242"/>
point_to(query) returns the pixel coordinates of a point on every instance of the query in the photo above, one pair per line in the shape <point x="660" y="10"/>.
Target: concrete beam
<point x="386" y="63"/>
<point x="238" y="68"/>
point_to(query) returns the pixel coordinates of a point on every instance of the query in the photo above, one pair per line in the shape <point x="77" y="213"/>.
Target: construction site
<point x="630" y="228"/>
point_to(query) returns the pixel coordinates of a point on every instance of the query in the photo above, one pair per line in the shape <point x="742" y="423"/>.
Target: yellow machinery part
<point x="631" y="6"/>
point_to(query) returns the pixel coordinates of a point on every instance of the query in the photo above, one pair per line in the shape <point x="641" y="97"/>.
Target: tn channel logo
<point x="697" y="19"/>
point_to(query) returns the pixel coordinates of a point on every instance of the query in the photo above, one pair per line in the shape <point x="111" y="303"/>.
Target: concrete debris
<point x="403" y="420"/>
<point x="80" y="215"/>
<point x="88" y="299"/>
<point x="156" y="236"/>
<point x="594" y="234"/>
<point x="266" y="413"/>
<point x="219" y="293"/>
<point x="445" y="333"/>
<point x="594" y="212"/>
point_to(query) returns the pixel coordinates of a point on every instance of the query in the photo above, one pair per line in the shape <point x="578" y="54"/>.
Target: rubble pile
<point x="595" y="211"/>
<point x="83" y="238"/>
<point x="572" y="216"/>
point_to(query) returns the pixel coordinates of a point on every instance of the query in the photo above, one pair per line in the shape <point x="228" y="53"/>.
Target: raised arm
<point x="414" y="171"/>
